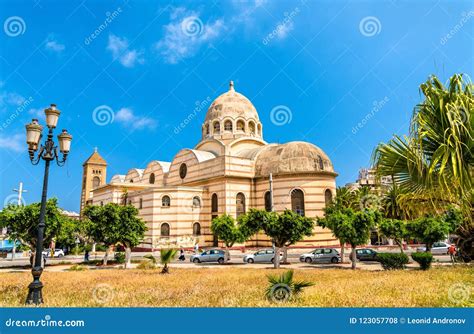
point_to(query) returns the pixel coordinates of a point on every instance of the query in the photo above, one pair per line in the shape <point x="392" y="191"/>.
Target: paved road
<point x="236" y="260"/>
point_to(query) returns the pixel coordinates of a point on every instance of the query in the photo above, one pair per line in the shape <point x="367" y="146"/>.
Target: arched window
<point x="268" y="202"/>
<point x="196" y="229"/>
<point x="228" y="126"/>
<point x="327" y="197"/>
<point x="131" y="181"/>
<point x="140" y="203"/>
<point x="95" y="182"/>
<point x="217" y="127"/>
<point x="165" y="201"/>
<point x="152" y="178"/>
<point x="165" y="230"/>
<point x="240" y="204"/>
<point x="297" y="201"/>
<point x="207" y="129"/>
<point x="252" y="128"/>
<point x="240" y="125"/>
<point x="196" y="202"/>
<point x="214" y="203"/>
<point x="320" y="163"/>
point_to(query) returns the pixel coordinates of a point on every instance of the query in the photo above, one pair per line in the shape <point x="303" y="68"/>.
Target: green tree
<point x="334" y="218"/>
<point x="428" y="230"/>
<point x="394" y="229"/>
<point x="284" y="229"/>
<point x="130" y="231"/>
<point x="22" y="222"/>
<point x="433" y="165"/>
<point x="226" y="229"/>
<point x="351" y="227"/>
<point x="113" y="224"/>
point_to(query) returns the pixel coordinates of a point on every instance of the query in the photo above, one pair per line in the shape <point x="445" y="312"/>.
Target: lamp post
<point x="47" y="152"/>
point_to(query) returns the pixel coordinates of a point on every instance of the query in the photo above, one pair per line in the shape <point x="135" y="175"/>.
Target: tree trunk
<point x="276" y="258"/>
<point x="93" y="248"/>
<point x="128" y="256"/>
<point x="342" y="251"/>
<point x="428" y="248"/>
<point x="106" y="257"/>
<point x="165" y="269"/>
<point x="14" y="249"/>
<point x="227" y="254"/>
<point x="400" y="244"/>
<point x="353" y="257"/>
<point x="285" y="255"/>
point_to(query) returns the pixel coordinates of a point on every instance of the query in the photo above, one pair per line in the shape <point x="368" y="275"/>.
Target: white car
<point x="262" y="256"/>
<point x="437" y="248"/>
<point x="57" y="253"/>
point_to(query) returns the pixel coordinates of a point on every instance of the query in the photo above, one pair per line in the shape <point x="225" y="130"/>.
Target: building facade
<point x="227" y="172"/>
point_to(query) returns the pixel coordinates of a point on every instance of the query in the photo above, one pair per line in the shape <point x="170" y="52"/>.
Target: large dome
<point x="294" y="157"/>
<point x="231" y="104"/>
<point x="231" y="116"/>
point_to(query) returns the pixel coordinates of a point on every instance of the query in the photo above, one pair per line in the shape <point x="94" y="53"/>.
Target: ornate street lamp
<point x="47" y="152"/>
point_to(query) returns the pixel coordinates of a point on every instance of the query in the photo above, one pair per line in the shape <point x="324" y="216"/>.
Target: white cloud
<point x="53" y="45"/>
<point x="37" y="113"/>
<point x="283" y="29"/>
<point x="13" y="143"/>
<point x="127" y="116"/>
<point x="10" y="98"/>
<point x="120" y="51"/>
<point x="186" y="34"/>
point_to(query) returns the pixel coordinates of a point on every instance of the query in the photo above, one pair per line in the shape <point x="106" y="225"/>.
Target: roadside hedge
<point x="391" y="261"/>
<point x="424" y="259"/>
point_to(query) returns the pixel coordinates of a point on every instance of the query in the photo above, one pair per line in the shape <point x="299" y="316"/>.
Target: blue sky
<point x="343" y="75"/>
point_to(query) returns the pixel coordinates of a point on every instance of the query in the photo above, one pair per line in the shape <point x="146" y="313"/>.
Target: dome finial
<point x="231" y="86"/>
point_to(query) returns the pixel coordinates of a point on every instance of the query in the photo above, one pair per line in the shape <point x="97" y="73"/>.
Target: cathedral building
<point x="227" y="172"/>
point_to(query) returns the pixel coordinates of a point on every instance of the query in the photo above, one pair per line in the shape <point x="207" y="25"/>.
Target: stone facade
<point x="228" y="172"/>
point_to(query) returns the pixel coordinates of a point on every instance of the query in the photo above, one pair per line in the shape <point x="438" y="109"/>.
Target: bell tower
<point x="94" y="174"/>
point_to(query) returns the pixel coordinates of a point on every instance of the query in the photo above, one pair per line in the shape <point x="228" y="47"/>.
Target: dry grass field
<point x="234" y="287"/>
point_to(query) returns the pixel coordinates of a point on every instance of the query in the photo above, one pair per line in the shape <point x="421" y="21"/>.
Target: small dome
<point x="231" y="104"/>
<point x="293" y="157"/>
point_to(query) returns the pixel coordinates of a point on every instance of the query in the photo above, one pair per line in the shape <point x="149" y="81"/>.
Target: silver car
<point x="321" y="255"/>
<point x="212" y="255"/>
<point x="262" y="256"/>
<point x="437" y="248"/>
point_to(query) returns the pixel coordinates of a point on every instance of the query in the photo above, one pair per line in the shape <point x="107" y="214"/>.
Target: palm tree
<point x="166" y="256"/>
<point x="281" y="288"/>
<point x="433" y="165"/>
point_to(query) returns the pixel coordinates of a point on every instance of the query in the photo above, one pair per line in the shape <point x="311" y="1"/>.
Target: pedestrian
<point x="181" y="255"/>
<point x="86" y="256"/>
<point x="196" y="248"/>
<point x="452" y="252"/>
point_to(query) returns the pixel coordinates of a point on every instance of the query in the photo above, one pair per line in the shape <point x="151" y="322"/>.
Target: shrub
<point x="77" y="267"/>
<point x="119" y="257"/>
<point x="390" y="261"/>
<point x="146" y="265"/>
<point x="424" y="259"/>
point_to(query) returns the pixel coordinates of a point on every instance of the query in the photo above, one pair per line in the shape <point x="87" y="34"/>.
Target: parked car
<point x="437" y="248"/>
<point x="57" y="252"/>
<point x="4" y="252"/>
<point x="212" y="255"/>
<point x="321" y="255"/>
<point x="262" y="256"/>
<point x="366" y="254"/>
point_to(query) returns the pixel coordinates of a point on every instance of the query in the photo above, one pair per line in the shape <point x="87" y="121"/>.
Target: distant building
<point x="368" y="178"/>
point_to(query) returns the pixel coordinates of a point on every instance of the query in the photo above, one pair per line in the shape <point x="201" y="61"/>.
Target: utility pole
<point x="20" y="192"/>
